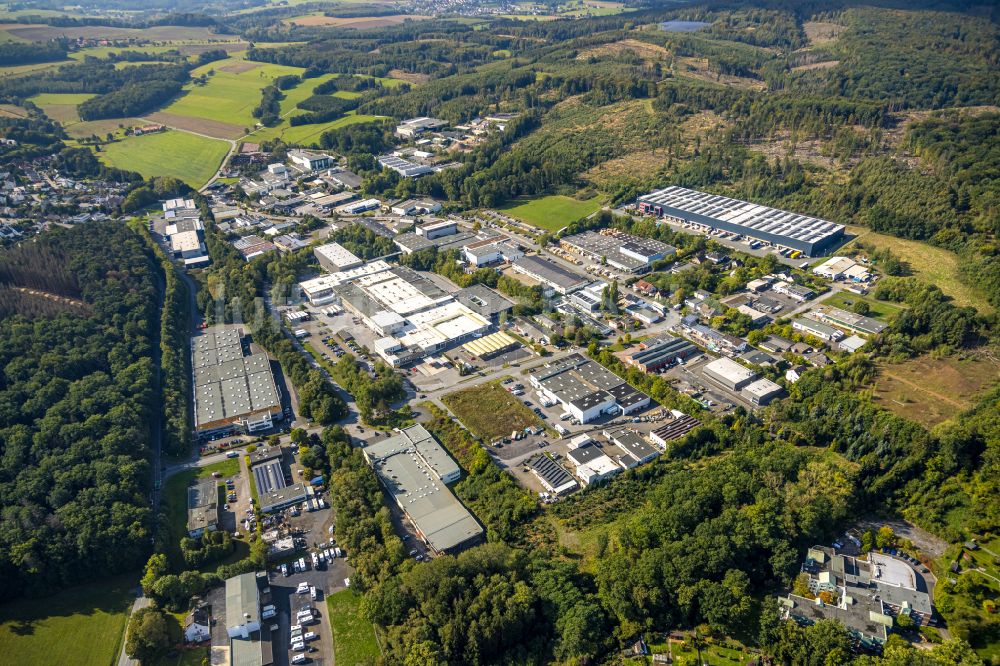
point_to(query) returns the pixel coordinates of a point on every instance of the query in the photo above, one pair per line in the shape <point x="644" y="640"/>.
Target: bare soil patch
<point x="409" y="77"/>
<point x="639" y="48"/>
<point x="240" y="66"/>
<point x="212" y="128"/>
<point x="931" y="390"/>
<point x="820" y="33"/>
<point x="12" y="111"/>
<point x="825" y="64"/>
<point x="702" y="123"/>
<point x="697" y="68"/>
<point x="648" y="161"/>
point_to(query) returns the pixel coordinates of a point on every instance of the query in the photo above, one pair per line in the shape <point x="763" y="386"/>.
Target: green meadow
<point x="193" y="159"/>
<point x="553" y="212"/>
<point x="80" y="626"/>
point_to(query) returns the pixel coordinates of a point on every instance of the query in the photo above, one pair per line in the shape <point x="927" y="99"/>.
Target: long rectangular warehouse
<point x="232" y="392"/>
<point x="809" y="235"/>
<point x="414" y="469"/>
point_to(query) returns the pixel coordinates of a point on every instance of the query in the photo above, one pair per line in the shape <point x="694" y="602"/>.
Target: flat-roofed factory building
<point x="203" y="508"/>
<point x="809" y="235"/>
<point x="660" y="352"/>
<point x="415" y="470"/>
<point x="632" y="254"/>
<point x="586" y="389"/>
<point x="233" y="392"/>
<point x="550" y="274"/>
<point x="334" y="257"/>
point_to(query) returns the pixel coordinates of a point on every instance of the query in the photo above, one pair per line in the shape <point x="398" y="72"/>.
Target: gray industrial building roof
<point x="745" y="214"/>
<point x="412" y="242"/>
<point x="590" y="400"/>
<point x="549" y="272"/>
<point x="633" y="444"/>
<point x="584" y="453"/>
<point x="279" y="498"/>
<point x="583" y="383"/>
<point x="666" y="346"/>
<point x="419" y="440"/>
<point x="203" y="505"/>
<point x="762" y="389"/>
<point x="484" y="301"/>
<point x="411" y="465"/>
<point x="358" y="299"/>
<point x="610" y="247"/>
<point x="345" y="178"/>
<point x="241" y="597"/>
<point x="729" y="370"/>
<point x="228" y="385"/>
<point x="856" y="618"/>
<point x="817" y="327"/>
<point x="242" y="605"/>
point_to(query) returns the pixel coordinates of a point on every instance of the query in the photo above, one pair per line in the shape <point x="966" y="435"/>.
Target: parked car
<point x="300" y="659"/>
<point x="233" y="454"/>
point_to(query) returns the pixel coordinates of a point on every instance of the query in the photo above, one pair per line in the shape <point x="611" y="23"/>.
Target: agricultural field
<point x="193" y="159"/>
<point x="931" y="264"/>
<point x="354" y="640"/>
<point x="552" y="212"/>
<point x="958" y="380"/>
<point x="61" y="107"/>
<point x="186" y="48"/>
<point x="357" y="22"/>
<point x="307" y="135"/>
<point x="490" y="411"/>
<point x="12" y="111"/>
<point x="80" y="626"/>
<point x="21" y="70"/>
<point x="163" y="33"/>
<point x="232" y="91"/>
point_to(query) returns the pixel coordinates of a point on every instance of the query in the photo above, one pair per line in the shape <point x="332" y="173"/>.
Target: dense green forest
<point x="76" y="395"/>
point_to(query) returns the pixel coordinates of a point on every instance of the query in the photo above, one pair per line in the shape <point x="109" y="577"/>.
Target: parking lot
<point x="327" y="578"/>
<point x="311" y="531"/>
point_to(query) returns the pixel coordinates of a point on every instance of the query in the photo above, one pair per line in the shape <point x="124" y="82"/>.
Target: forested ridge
<point x="76" y="395"/>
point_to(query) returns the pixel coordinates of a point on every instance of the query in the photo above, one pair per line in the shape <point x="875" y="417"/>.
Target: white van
<point x="300" y="659"/>
<point x="312" y="593"/>
<point x="299" y="647"/>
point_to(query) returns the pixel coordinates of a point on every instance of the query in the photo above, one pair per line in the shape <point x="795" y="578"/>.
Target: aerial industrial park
<point x="478" y="332"/>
